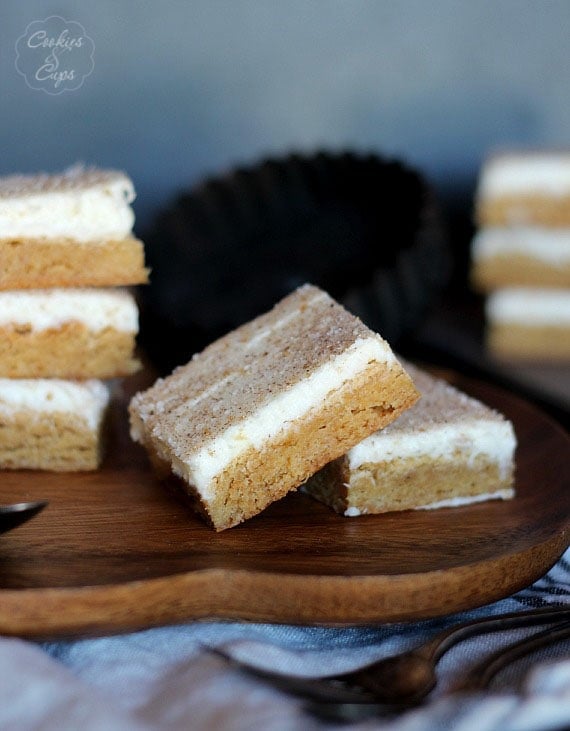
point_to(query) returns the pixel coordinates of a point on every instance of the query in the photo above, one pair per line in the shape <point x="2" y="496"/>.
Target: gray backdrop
<point x="183" y="89"/>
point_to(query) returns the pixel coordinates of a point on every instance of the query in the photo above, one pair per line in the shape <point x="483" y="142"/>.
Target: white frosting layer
<point x="529" y="307"/>
<point x="79" y="204"/>
<point x="97" y="309"/>
<point x="551" y="246"/>
<point x="278" y="413"/>
<point x="86" y="400"/>
<point x="466" y="439"/>
<point x="507" y="174"/>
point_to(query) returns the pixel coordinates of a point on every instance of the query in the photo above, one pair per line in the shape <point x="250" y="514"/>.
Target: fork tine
<point x="315" y="689"/>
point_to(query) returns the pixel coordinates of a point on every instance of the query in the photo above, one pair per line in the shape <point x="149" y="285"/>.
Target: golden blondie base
<point x="54" y="442"/>
<point x="44" y="263"/>
<point x="532" y="209"/>
<point x="259" y="477"/>
<point x="405" y="484"/>
<point x="71" y="351"/>
<point x="518" y="271"/>
<point x="538" y="343"/>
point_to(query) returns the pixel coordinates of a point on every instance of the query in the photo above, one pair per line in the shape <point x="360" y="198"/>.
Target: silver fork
<point x="406" y="679"/>
<point x="478" y="678"/>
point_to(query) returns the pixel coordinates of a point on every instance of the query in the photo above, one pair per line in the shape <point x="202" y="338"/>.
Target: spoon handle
<point x="11" y="516"/>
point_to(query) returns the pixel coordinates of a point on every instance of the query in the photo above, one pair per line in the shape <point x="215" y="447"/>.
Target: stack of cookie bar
<point x="521" y="254"/>
<point x="68" y="323"/>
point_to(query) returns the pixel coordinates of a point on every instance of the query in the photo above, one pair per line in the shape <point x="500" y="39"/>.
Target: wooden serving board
<point x="115" y="551"/>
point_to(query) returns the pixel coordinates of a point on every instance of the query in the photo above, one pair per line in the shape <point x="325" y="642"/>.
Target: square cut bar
<point x="529" y="324"/>
<point x="263" y="408"/>
<point x="524" y="189"/>
<point x="521" y="256"/>
<point x="448" y="449"/>
<point x="72" y="229"/>
<point x="50" y="424"/>
<point x="67" y="333"/>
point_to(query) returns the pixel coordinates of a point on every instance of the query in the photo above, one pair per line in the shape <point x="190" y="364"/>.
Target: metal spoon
<point x="11" y="516"/>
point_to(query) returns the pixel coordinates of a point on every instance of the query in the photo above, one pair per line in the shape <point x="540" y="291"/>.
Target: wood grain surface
<point x="116" y="551"/>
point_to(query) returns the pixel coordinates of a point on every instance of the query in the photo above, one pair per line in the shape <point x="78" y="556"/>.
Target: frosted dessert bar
<point x="524" y="188"/>
<point x="447" y="450"/>
<point x="69" y="229"/>
<point x="67" y="333"/>
<point x="263" y="408"/>
<point x="529" y="324"/>
<point x="50" y="424"/>
<point x="521" y="256"/>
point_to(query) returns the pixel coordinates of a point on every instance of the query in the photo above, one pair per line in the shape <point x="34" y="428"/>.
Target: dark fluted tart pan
<point x="364" y="228"/>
